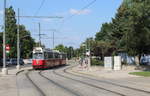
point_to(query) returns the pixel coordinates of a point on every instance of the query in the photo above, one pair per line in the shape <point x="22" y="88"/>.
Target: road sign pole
<point x="4" y="69"/>
<point x="18" y="43"/>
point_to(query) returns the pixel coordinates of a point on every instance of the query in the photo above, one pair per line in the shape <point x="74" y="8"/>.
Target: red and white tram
<point x="47" y="58"/>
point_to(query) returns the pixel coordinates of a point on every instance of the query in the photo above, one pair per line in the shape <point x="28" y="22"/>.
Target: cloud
<point x="1" y="12"/>
<point x="79" y="12"/>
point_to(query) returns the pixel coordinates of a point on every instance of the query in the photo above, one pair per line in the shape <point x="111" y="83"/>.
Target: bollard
<point x="18" y="67"/>
<point x="4" y="71"/>
<point x="117" y="62"/>
<point x="108" y="63"/>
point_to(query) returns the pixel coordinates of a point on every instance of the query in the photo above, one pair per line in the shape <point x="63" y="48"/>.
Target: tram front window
<point x="38" y="56"/>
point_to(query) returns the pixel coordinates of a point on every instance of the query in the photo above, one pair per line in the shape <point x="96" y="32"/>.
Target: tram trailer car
<point x="47" y="58"/>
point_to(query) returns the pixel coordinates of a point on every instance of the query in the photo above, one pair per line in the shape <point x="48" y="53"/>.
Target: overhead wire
<point x="63" y="22"/>
<point x="88" y="5"/>
<point x="41" y="5"/>
<point x="38" y="10"/>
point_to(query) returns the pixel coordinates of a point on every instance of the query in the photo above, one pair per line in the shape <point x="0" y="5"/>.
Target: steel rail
<point x="101" y="81"/>
<point x="98" y="87"/>
<point x="38" y="89"/>
<point x="59" y="85"/>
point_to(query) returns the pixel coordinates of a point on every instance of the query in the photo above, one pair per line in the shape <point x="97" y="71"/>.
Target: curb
<point x="23" y="71"/>
<point x="19" y="72"/>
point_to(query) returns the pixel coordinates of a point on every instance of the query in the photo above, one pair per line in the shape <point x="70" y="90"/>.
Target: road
<point x="61" y="82"/>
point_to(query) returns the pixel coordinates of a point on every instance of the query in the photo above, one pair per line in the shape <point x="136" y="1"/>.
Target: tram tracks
<point x="60" y="85"/>
<point x="75" y="77"/>
<point x="115" y="84"/>
<point x="40" y="89"/>
<point x="101" y="81"/>
<point x="34" y="84"/>
<point x="91" y="85"/>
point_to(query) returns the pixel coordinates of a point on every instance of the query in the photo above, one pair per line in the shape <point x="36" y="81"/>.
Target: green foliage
<point x="105" y="32"/>
<point x="96" y="62"/>
<point x="26" y="41"/>
<point x="129" y="31"/>
<point x="139" y="29"/>
<point x="68" y="50"/>
<point x="61" y="48"/>
<point x="11" y="31"/>
<point x="1" y="46"/>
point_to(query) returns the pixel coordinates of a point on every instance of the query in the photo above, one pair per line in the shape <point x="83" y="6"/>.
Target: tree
<point x="68" y="50"/>
<point x="61" y="48"/>
<point x="139" y="30"/>
<point x="26" y="44"/>
<point x="129" y="30"/>
<point x="11" y="31"/>
<point x="105" y="32"/>
<point x="1" y="45"/>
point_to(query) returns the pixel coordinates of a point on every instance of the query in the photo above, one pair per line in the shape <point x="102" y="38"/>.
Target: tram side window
<point x="50" y="55"/>
<point x="45" y="55"/>
<point x="64" y="56"/>
<point x="61" y="56"/>
<point x="55" y="55"/>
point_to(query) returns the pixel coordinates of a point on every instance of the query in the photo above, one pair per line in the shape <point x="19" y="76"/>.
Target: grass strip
<point x="144" y="73"/>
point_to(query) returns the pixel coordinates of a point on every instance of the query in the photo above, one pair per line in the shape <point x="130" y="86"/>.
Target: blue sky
<point x="74" y="30"/>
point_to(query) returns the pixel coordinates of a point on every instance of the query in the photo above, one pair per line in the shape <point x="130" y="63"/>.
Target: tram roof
<point x="40" y="49"/>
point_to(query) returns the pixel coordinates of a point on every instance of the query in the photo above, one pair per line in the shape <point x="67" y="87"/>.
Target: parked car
<point x="1" y="62"/>
<point x="27" y="61"/>
<point x="7" y="62"/>
<point x="14" y="61"/>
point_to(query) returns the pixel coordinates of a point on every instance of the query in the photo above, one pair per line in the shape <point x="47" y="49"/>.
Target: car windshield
<point x="38" y="56"/>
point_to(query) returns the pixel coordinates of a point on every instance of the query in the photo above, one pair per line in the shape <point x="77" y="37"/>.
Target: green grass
<point x="145" y="73"/>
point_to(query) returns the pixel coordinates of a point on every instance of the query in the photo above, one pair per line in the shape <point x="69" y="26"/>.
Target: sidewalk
<point x="8" y="84"/>
<point x="99" y="71"/>
<point x="120" y="77"/>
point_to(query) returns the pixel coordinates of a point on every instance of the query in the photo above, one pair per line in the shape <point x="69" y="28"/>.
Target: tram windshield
<point x="38" y="56"/>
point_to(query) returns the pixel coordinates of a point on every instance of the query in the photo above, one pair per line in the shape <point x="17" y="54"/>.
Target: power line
<point x="59" y="17"/>
<point x="88" y="5"/>
<point x="42" y="3"/>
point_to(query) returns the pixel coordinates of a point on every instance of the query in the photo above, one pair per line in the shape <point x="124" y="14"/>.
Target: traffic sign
<point x="7" y="47"/>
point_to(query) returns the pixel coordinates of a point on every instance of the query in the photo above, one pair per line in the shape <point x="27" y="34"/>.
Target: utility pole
<point x="54" y="30"/>
<point x="40" y="35"/>
<point x="18" y="42"/>
<point x="4" y="69"/>
<point x="53" y="39"/>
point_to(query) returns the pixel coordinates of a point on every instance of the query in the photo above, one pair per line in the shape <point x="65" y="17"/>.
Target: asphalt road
<point x="61" y="82"/>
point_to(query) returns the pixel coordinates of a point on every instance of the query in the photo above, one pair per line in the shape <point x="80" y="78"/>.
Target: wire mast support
<point x="4" y="69"/>
<point x="40" y="35"/>
<point x="18" y="42"/>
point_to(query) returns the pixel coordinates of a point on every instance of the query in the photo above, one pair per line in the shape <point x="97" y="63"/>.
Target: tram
<point x="46" y="58"/>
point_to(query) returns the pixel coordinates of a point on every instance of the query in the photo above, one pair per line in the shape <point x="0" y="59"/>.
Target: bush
<point x="97" y="62"/>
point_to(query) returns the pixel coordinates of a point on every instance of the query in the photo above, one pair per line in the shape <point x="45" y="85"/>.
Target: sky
<point x="76" y="24"/>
